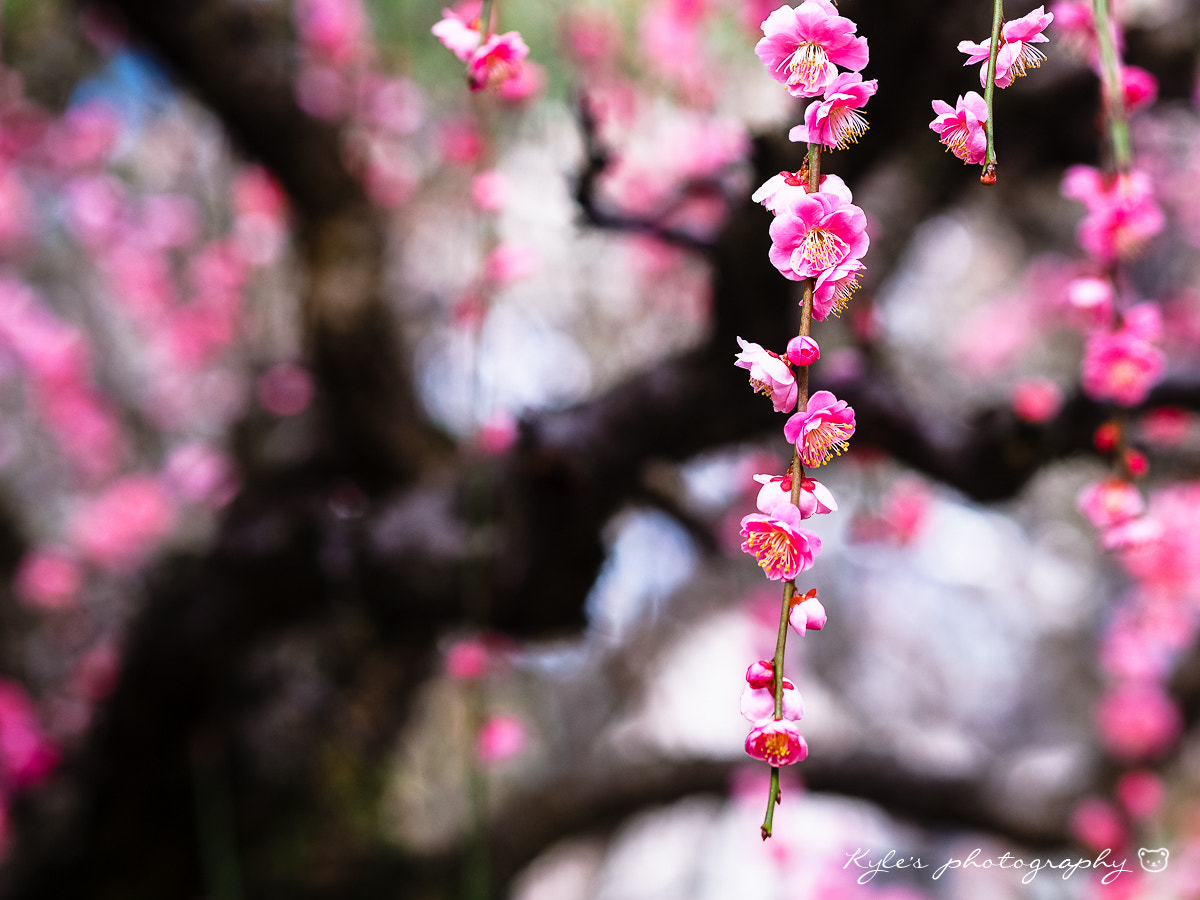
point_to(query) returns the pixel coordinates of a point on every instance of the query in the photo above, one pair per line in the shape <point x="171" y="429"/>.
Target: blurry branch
<point x="595" y="800"/>
<point x="597" y="158"/>
<point x="239" y="59"/>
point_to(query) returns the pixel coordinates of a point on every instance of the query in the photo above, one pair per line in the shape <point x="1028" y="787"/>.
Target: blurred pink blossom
<point x="1037" y="400"/>
<point x="120" y="527"/>
<point x="500" y="739"/>
<point x="285" y="389"/>
<point x="1137" y="720"/>
<point x="1120" y="366"/>
<point x="27" y="757"/>
<point x="48" y="578"/>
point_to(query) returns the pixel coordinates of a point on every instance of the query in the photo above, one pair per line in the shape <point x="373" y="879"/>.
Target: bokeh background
<point x="372" y="458"/>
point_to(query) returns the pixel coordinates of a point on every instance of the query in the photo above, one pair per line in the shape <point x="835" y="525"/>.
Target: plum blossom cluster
<point x="966" y="127"/>
<point x="818" y="238"/>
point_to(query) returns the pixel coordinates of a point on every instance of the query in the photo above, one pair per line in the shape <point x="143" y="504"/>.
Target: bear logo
<point x="1153" y="860"/>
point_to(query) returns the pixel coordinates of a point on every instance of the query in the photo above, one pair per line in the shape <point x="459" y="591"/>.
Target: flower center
<point x="761" y="387"/>
<point x="806" y="66"/>
<point x="847" y="125"/>
<point x="827" y="439"/>
<point x="1030" y="57"/>
<point x="773" y="550"/>
<point x="776" y="747"/>
<point x="956" y="138"/>
<point x="819" y="250"/>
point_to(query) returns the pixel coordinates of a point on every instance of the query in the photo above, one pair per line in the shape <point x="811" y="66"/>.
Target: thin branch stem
<point x="989" y="92"/>
<point x="797" y="470"/>
<point x="1114" y="95"/>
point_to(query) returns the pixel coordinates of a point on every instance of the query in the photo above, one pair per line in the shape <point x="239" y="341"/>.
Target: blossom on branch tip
<point x="963" y="128"/>
<point x="822" y="430"/>
<point x="782" y="548"/>
<point x="806" y="613"/>
<point x="835" y="121"/>
<point x="769" y="375"/>
<point x="815" y="233"/>
<point x="803" y="47"/>
<point x="1016" y="53"/>
<point x="777" y="742"/>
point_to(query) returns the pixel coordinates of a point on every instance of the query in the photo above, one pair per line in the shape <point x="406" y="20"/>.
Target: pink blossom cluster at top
<point x="963" y="128"/>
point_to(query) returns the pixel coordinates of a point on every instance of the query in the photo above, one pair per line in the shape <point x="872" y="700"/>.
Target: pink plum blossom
<point x="1098" y="824"/>
<point x="769" y="375"/>
<point x="501" y="738"/>
<point x="803" y="350"/>
<point x="806" y="613"/>
<point x="467" y="659"/>
<point x="1141" y="792"/>
<point x="459" y="31"/>
<point x="1037" y="400"/>
<point x="496" y="61"/>
<point x="1016" y="53"/>
<point x="776" y="491"/>
<point x="963" y="128"/>
<point x="1138" y="720"/>
<point x="779" y="191"/>
<point x="285" y="389"/>
<point x="815" y="233"/>
<point x="836" y="121"/>
<point x="26" y="756"/>
<point x="782" y="548"/>
<point x="121" y="526"/>
<point x="332" y="29"/>
<point x="834" y="288"/>
<point x="1122" y="213"/>
<point x="1092" y="297"/>
<point x="1110" y="502"/>
<point x="777" y="742"/>
<point x="49" y="578"/>
<point x="758" y="697"/>
<point x="1121" y="367"/>
<point x="822" y="429"/>
<point x="802" y="47"/>
<point x="1138" y="88"/>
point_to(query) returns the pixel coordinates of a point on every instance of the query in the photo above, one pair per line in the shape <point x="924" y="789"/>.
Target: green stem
<point x="989" y="93"/>
<point x="1114" y="95"/>
<point x="485" y="19"/>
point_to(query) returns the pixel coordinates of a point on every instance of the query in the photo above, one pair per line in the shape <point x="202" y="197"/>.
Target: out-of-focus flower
<point x="1122" y="213"/>
<point x="1138" y="720"/>
<point x="121" y="526"/>
<point x="1037" y="400"/>
<point x="49" y="578"/>
<point x="1111" y="501"/>
<point x="496" y="61"/>
<point x="1121" y="367"/>
<point x="500" y="739"/>
<point x="27" y="757"/>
